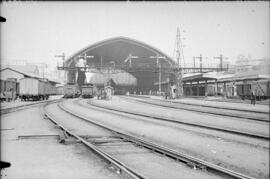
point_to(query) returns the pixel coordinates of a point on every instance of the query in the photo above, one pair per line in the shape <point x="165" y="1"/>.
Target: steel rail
<point x="189" y="160"/>
<point x="26" y="106"/>
<point x="198" y="110"/>
<point x="231" y="131"/>
<point x="122" y="168"/>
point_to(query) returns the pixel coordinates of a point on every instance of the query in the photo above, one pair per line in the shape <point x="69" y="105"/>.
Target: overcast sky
<point x="37" y="31"/>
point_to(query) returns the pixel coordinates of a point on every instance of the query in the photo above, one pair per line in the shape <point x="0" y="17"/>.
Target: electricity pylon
<point x="178" y="72"/>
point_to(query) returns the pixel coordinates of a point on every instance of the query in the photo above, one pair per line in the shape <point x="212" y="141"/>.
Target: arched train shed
<point x="115" y="53"/>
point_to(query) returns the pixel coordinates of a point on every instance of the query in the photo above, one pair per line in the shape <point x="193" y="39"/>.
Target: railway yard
<point x="150" y="90"/>
<point x="134" y="137"/>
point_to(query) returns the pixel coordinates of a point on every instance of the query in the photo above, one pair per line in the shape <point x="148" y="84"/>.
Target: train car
<point x="260" y="88"/>
<point x="9" y="89"/>
<point x="88" y="90"/>
<point x="49" y="88"/>
<point x="71" y="90"/>
<point x="60" y="90"/>
<point x="33" y="89"/>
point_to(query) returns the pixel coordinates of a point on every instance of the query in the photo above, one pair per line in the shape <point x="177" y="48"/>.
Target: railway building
<point x="139" y="68"/>
<point x="13" y="84"/>
<point x="8" y="72"/>
<point x="134" y="65"/>
<point x="226" y="84"/>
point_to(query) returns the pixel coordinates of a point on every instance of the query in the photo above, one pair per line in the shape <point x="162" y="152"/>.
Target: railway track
<point x="120" y="167"/>
<point x="211" y="127"/>
<point x="26" y="106"/>
<point x="244" y="114"/>
<point x="195" y="163"/>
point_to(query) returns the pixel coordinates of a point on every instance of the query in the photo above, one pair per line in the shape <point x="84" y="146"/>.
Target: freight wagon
<point x="34" y="89"/>
<point x="59" y="90"/>
<point x="260" y="88"/>
<point x="9" y="89"/>
<point x="88" y="90"/>
<point x="71" y="90"/>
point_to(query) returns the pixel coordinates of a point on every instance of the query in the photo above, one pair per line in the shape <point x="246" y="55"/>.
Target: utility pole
<point x="129" y="58"/>
<point x="63" y="66"/>
<point x="63" y="58"/>
<point x="157" y="57"/>
<point x="44" y="65"/>
<point x="221" y="61"/>
<point x="200" y="58"/>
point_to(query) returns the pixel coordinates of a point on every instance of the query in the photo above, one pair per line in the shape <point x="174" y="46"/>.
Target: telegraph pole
<point x="157" y="57"/>
<point x="200" y="58"/>
<point x="63" y="58"/>
<point x="221" y="61"/>
<point x="129" y="58"/>
<point x="63" y="67"/>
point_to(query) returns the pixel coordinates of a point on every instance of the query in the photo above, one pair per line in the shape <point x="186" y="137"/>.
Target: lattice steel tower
<point x="178" y="72"/>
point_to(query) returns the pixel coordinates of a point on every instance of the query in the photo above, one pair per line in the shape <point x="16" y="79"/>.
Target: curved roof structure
<point x="114" y="53"/>
<point x="117" y="49"/>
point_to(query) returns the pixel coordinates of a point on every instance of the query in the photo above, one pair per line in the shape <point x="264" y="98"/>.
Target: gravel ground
<point x="151" y="164"/>
<point x="44" y="157"/>
<point x="188" y="116"/>
<point x="248" y="159"/>
<point x="18" y="102"/>
<point x="146" y="162"/>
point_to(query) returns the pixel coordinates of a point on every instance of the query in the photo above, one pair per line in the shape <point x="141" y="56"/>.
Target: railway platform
<point x="217" y="103"/>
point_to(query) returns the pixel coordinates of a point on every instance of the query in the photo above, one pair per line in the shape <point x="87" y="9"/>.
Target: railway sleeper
<point x="63" y="136"/>
<point x="38" y="136"/>
<point x="69" y="141"/>
<point x="192" y="165"/>
<point x="103" y="139"/>
<point x="196" y="166"/>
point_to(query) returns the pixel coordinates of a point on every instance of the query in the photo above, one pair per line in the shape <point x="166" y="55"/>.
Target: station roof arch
<point x="117" y="50"/>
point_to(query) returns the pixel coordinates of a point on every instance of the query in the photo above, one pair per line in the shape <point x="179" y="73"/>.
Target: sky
<point x="37" y="31"/>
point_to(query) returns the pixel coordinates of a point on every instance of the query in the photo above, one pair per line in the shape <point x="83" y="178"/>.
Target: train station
<point x="133" y="65"/>
<point x="135" y="90"/>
